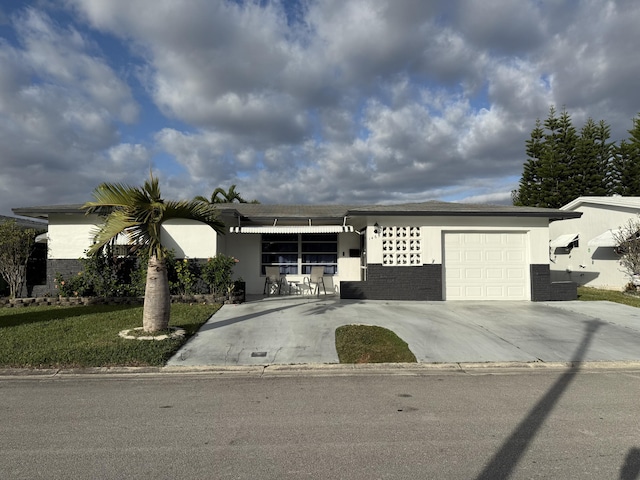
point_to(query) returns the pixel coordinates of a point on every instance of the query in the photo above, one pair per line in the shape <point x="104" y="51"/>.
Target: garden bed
<point x="73" y="301"/>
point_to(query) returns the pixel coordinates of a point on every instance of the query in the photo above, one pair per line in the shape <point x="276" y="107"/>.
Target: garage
<point x="485" y="266"/>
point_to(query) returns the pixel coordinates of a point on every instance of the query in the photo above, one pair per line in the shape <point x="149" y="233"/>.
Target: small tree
<point x="16" y="244"/>
<point x="628" y="246"/>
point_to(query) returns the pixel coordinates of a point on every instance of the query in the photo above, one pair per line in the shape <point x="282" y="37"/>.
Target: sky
<point x="323" y="102"/>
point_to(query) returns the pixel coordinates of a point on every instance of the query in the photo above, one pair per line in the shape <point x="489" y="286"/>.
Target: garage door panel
<point x="485" y="265"/>
<point x="494" y="255"/>
<point x="494" y="274"/>
<point x="472" y="291"/>
<point x="473" y="255"/>
<point x="472" y="273"/>
<point x="514" y="256"/>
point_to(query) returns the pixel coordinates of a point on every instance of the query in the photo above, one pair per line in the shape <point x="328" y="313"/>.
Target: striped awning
<point x="294" y="229"/>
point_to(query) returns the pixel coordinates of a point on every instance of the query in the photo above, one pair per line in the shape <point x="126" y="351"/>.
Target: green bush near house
<point x="87" y="336"/>
<point x="371" y="344"/>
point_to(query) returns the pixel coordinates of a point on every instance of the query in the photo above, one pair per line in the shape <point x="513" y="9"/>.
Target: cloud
<point x="59" y="107"/>
<point x="311" y="101"/>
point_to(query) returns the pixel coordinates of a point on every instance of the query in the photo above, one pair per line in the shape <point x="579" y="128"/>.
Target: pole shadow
<point x="631" y="468"/>
<point x="506" y="459"/>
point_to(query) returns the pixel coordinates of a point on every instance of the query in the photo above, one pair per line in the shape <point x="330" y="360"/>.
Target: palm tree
<point x="219" y="195"/>
<point x="139" y="214"/>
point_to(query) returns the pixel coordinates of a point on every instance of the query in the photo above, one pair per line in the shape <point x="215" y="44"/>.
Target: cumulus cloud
<point x="306" y="101"/>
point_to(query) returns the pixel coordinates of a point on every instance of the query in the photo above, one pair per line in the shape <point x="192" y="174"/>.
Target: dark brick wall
<point x="396" y="283"/>
<point x="65" y="267"/>
<point x="543" y="290"/>
<point x="564" y="291"/>
<point x="540" y="282"/>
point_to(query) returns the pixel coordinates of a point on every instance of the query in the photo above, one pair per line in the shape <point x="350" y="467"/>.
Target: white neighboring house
<point x="418" y="251"/>
<point x="582" y="249"/>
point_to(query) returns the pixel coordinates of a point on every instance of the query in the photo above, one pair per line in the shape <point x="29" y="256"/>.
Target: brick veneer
<point x="540" y="282"/>
<point x="396" y="283"/>
<point x="425" y="283"/>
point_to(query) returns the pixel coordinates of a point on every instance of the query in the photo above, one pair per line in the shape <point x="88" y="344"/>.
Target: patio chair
<point x="273" y="280"/>
<point x="315" y="279"/>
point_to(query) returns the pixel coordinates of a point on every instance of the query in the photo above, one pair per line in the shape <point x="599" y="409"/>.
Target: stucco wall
<point x="432" y="229"/>
<point x="71" y="235"/>
<point x="189" y="239"/>
<point x="595" y="267"/>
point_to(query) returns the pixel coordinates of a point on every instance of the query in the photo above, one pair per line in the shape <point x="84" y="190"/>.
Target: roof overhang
<point x="294" y="229"/>
<point x="564" y="241"/>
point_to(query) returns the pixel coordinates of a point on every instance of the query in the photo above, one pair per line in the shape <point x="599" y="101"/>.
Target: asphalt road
<point x="558" y="424"/>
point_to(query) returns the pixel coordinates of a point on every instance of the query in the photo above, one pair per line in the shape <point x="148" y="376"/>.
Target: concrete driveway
<point x="300" y="330"/>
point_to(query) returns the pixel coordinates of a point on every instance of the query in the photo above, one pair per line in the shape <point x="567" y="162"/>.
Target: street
<point x="559" y="424"/>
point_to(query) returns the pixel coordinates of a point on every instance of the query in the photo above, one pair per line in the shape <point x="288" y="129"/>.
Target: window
<point x="296" y="253"/>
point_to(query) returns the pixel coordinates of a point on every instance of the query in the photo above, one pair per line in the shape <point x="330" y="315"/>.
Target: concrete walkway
<point x="300" y="330"/>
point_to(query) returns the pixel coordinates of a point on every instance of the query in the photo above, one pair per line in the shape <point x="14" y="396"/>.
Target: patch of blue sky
<point x="167" y="164"/>
<point x="481" y="99"/>
<point x="546" y="81"/>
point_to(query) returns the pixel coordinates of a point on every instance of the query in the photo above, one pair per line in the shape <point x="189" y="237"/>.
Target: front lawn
<point x="593" y="294"/>
<point x="370" y="344"/>
<point x="87" y="336"/>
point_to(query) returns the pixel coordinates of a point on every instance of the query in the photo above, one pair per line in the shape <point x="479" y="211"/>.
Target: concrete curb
<point x="408" y="369"/>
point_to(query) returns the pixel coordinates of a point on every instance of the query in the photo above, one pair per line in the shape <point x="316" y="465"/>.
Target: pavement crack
<point x="276" y="354"/>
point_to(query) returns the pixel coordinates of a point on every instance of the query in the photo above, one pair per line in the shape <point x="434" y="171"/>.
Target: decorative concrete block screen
<point x="401" y="246"/>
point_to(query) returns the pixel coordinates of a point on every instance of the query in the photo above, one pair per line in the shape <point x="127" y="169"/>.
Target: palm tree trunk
<point x="157" y="301"/>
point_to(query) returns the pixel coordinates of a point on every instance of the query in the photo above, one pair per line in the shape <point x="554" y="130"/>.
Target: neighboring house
<point x="418" y="251"/>
<point x="582" y="250"/>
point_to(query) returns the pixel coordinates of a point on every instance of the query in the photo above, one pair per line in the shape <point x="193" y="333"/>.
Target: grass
<point x="369" y="344"/>
<point x="593" y="294"/>
<point x="87" y="336"/>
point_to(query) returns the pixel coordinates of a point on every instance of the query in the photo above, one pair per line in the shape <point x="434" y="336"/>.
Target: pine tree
<point x="558" y="159"/>
<point x="624" y="173"/>
<point x="562" y="164"/>
<point x="528" y="192"/>
<point x="593" y="154"/>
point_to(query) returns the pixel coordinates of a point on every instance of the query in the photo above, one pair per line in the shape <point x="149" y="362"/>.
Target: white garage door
<point x="486" y="266"/>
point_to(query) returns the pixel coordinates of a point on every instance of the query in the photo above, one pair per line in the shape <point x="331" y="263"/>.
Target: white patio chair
<point x="273" y="280"/>
<point x="315" y="279"/>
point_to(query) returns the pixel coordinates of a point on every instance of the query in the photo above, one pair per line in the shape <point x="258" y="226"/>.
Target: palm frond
<point x="194" y="210"/>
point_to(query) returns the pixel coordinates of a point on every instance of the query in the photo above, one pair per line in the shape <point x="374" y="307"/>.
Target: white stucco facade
<point x="433" y="228"/>
<point x="597" y="267"/>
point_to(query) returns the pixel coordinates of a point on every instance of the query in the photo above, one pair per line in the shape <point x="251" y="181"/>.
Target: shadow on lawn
<point x="505" y="460"/>
<point x="8" y="317"/>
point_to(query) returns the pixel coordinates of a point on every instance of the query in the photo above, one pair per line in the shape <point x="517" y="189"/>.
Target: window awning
<point x="606" y="239"/>
<point x="294" y="229"/>
<point x="563" y="240"/>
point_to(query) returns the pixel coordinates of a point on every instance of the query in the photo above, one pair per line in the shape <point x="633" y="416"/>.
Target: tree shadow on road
<point x="505" y="460"/>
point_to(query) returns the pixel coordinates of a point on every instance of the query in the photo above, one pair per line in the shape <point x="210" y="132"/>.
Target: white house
<point x="418" y="251"/>
<point x="582" y="249"/>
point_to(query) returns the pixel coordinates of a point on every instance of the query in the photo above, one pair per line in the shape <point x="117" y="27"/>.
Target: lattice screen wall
<point x="401" y="246"/>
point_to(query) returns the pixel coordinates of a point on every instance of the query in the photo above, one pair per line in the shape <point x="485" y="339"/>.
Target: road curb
<point x="409" y="369"/>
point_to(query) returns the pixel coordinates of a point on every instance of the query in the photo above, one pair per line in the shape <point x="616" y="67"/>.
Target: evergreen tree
<point x="528" y="192"/>
<point x="593" y="154"/>
<point x="624" y="175"/>
<point x="562" y="165"/>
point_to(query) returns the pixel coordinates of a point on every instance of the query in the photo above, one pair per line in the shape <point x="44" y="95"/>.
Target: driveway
<point x="300" y="330"/>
